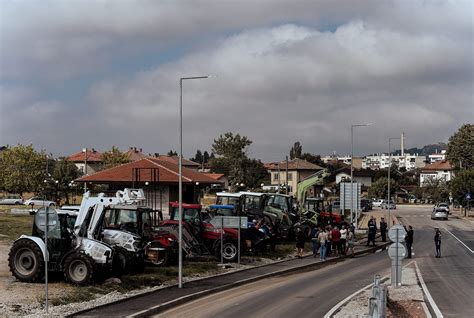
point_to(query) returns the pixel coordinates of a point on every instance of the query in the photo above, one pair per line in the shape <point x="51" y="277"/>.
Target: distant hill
<point x="426" y="150"/>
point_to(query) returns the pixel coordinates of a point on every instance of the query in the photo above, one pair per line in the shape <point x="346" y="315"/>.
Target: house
<point x="298" y="169"/>
<point x="159" y="178"/>
<point x="222" y="181"/>
<point x="439" y="170"/>
<point x="88" y="161"/>
<point x="437" y="156"/>
<point x="134" y="154"/>
<point x="362" y="176"/>
<point x="382" y="161"/>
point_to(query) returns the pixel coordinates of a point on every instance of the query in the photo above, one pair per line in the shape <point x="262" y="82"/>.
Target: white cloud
<point x="392" y="63"/>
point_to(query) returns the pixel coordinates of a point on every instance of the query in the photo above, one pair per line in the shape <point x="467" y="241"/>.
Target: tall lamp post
<point x="180" y="226"/>
<point x="352" y="169"/>
<point x="388" y="183"/>
<point x="84" y="150"/>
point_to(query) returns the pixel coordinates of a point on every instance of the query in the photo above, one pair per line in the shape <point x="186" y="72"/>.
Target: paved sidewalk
<point x="172" y="296"/>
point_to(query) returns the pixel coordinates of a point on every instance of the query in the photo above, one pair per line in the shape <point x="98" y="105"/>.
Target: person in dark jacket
<point x="300" y="239"/>
<point x="437" y="240"/>
<point x="372" y="225"/>
<point x="383" y="229"/>
<point x="409" y="240"/>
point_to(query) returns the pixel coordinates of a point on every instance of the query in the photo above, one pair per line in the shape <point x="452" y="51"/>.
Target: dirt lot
<point x="20" y="299"/>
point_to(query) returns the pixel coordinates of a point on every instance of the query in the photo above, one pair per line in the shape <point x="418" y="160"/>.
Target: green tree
<point x="113" y="158"/>
<point x="206" y="157"/>
<point x="22" y="169"/>
<point x="64" y="172"/>
<point x="379" y="188"/>
<point x="435" y="190"/>
<point x="461" y="184"/>
<point x="172" y="153"/>
<point x="231" y="156"/>
<point x="315" y="159"/>
<point x="461" y="147"/>
<point x="198" y="157"/>
<point x="296" y="151"/>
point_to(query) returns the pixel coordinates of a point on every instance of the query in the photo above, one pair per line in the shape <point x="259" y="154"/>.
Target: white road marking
<point x="331" y="312"/>
<point x="427" y="293"/>
<point x="459" y="241"/>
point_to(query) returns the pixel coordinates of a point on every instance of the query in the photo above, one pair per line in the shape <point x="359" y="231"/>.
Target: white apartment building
<point x="437" y="157"/>
<point x="382" y="161"/>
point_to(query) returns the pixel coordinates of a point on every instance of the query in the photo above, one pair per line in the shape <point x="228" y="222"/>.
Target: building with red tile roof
<point x="298" y="169"/>
<point x="439" y="170"/>
<point x="87" y="162"/>
<point x="159" y="178"/>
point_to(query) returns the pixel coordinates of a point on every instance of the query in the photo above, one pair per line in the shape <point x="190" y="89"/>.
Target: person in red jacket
<point x="336" y="240"/>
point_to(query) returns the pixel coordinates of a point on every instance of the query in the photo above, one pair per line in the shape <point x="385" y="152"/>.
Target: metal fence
<point x="378" y="301"/>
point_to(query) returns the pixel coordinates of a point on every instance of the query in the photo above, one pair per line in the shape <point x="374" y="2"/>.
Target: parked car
<point x="39" y="201"/>
<point x="442" y="206"/>
<point x="377" y="202"/>
<point x="439" y="213"/>
<point x="12" y="199"/>
<point x="365" y="205"/>
<point x="388" y="205"/>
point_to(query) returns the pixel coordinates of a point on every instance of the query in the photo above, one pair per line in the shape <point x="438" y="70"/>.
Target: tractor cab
<point x="315" y="208"/>
<point x="253" y="204"/>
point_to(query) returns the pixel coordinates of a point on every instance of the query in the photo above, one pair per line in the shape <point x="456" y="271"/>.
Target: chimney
<point x="402" y="144"/>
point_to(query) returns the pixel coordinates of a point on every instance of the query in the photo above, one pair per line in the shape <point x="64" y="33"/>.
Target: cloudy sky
<point x="101" y="73"/>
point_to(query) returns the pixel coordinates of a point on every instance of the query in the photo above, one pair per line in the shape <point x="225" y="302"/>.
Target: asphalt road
<point x="449" y="279"/>
<point x="310" y="294"/>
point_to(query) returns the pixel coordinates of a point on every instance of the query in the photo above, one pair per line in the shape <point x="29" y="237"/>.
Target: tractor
<point x="79" y="264"/>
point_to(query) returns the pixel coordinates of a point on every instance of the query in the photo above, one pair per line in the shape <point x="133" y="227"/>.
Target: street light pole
<point x="84" y="150"/>
<point x="352" y="172"/>
<point x="388" y="183"/>
<point x="180" y="182"/>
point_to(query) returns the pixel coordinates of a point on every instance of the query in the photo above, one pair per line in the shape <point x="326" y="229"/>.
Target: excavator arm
<point x="304" y="185"/>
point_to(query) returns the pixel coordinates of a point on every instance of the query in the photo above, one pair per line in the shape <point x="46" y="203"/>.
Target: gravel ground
<point x="405" y="301"/>
<point x="23" y="299"/>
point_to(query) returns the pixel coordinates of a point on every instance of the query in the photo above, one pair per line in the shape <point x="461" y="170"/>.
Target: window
<point x="290" y="176"/>
<point x="275" y="176"/>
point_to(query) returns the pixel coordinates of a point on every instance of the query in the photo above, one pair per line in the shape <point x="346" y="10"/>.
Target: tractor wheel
<point x="79" y="268"/>
<point x="26" y="261"/>
<point x="122" y="262"/>
<point x="229" y="251"/>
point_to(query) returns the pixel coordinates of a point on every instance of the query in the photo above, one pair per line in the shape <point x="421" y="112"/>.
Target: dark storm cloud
<point x="283" y="72"/>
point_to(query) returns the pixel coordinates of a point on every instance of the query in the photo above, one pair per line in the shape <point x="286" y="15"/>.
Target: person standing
<point x="300" y="239"/>
<point x="328" y="240"/>
<point x="314" y="240"/>
<point x="437" y="240"/>
<point x="343" y="240"/>
<point x="350" y="243"/>
<point x="383" y="229"/>
<point x="372" y="225"/>
<point x="409" y="240"/>
<point x="322" y="238"/>
<point x="336" y="239"/>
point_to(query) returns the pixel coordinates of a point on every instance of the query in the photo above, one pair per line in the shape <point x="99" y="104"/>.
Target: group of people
<point x="327" y="240"/>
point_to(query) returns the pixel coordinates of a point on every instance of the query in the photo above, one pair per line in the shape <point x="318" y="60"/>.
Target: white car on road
<point x="12" y="199"/>
<point x="377" y="203"/>
<point x="39" y="201"/>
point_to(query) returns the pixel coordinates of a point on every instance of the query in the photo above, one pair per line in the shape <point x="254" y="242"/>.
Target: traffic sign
<point x="397" y="233"/>
<point x="397" y="251"/>
<point x="468" y="196"/>
<point x="40" y="219"/>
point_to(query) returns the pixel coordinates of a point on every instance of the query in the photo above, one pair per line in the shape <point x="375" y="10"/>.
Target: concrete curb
<point x="184" y="299"/>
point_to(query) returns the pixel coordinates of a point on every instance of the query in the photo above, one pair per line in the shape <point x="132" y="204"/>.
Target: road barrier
<point x="378" y="301"/>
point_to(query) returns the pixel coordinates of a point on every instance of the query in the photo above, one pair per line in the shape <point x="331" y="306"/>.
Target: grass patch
<point x="12" y="226"/>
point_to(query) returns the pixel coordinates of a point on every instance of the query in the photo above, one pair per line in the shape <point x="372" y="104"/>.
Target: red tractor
<point x="200" y="237"/>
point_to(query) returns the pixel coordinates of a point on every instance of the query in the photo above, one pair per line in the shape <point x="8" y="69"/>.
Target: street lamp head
<point x="147" y="183"/>
<point x="84" y="150"/>
<point x="197" y="183"/>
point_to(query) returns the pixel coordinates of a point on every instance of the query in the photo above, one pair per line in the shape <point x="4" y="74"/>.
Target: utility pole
<point x="286" y="188"/>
